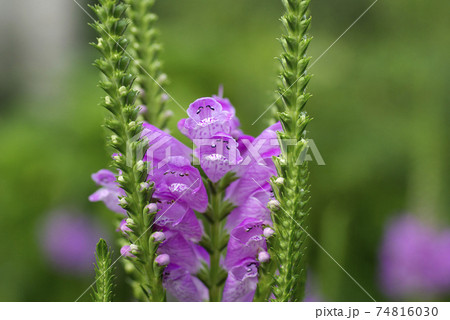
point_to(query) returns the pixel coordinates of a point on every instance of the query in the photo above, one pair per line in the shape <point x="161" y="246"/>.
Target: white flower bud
<point x="122" y="201"/>
<point x="152" y="207"/>
<point x="130" y="222"/>
<point x="144" y="185"/>
<point x="140" y="165"/>
<point x="108" y="100"/>
<point x="114" y="139"/>
<point x="268" y="232"/>
<point x="273" y="205"/>
<point x="134" y="248"/>
<point x="279" y="181"/>
<point x="123" y="91"/>
<point x="158" y="236"/>
<point x="263" y="256"/>
<point x="120" y="179"/>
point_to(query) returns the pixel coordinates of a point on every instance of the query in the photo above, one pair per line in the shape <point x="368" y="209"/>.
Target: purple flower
<point x="180" y="283"/>
<point x="162" y="146"/>
<point x="252" y="208"/>
<point x="68" y="241"/>
<point x="246" y="241"/>
<point x="109" y="192"/>
<point x="234" y="121"/>
<point x="414" y="259"/>
<point x="241" y="282"/>
<point x="126" y="252"/>
<point x="206" y="119"/>
<point x="253" y="178"/>
<point x="182" y="252"/>
<point x="177" y="179"/>
<point x="123" y="226"/>
<point x="177" y="216"/>
<point x="218" y="155"/>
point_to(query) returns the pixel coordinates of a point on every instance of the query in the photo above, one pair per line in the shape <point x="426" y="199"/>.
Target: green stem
<point x="216" y="236"/>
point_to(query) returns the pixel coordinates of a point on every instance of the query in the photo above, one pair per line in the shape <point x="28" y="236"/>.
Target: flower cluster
<point x="415" y="259"/>
<point x="220" y="147"/>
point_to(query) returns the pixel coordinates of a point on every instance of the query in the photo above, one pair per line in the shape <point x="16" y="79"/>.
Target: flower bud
<point x="279" y="181"/>
<point x="144" y="185"/>
<point x="122" y="201"/>
<point x="263" y="256"/>
<point x="273" y="205"/>
<point x="122" y="91"/>
<point x="268" y="232"/>
<point x="152" y="207"/>
<point x="130" y="222"/>
<point x="120" y="179"/>
<point x="140" y="165"/>
<point x="114" y="139"/>
<point x="163" y="259"/>
<point x="134" y="248"/>
<point x="126" y="251"/>
<point x="158" y="236"/>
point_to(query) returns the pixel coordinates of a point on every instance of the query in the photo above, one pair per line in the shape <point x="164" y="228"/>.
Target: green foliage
<point x="147" y="66"/>
<point x="288" y="244"/>
<point x="104" y="273"/>
<point x="126" y="129"/>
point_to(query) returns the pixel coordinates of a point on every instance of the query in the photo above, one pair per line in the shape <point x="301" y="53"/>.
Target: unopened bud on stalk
<point x="122" y="91"/>
<point x="152" y="208"/>
<point x="134" y="248"/>
<point x="163" y="259"/>
<point x="122" y="201"/>
<point x="263" y="256"/>
<point x="279" y="181"/>
<point x="140" y="165"/>
<point x="120" y="179"/>
<point x="268" y="232"/>
<point x="144" y="185"/>
<point x="130" y="222"/>
<point x="273" y="205"/>
<point x="158" y="236"/>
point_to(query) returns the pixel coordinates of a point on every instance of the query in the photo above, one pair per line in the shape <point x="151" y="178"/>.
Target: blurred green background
<point x="380" y="107"/>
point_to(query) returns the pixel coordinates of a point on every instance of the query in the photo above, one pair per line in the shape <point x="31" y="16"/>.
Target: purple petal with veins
<point x="177" y="179"/>
<point x="246" y="240"/>
<point x="241" y="283"/>
<point x="183" y="286"/>
<point x="218" y="155"/>
<point x="176" y="215"/>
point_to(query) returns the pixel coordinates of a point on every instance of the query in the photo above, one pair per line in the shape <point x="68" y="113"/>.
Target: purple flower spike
<point x="163" y="259"/>
<point x="67" y="240"/>
<point x="246" y="240"/>
<point x="415" y="259"/>
<point x="218" y="155"/>
<point x="110" y="191"/>
<point x="241" y="283"/>
<point x="177" y="179"/>
<point x="183" y="286"/>
<point x="206" y="118"/>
